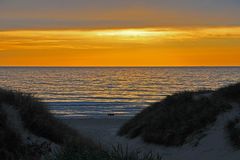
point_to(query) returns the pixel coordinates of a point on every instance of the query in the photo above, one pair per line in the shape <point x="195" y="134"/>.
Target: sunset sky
<point x="119" y="33"/>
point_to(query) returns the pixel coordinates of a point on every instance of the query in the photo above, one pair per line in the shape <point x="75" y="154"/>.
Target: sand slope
<point x="211" y="144"/>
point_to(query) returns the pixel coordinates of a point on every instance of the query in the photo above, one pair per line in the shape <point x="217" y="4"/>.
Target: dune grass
<point x="10" y="143"/>
<point x="233" y="130"/>
<point x="171" y="121"/>
<point x="40" y="122"/>
<point x="74" y="152"/>
<point x="229" y="93"/>
<point x="37" y="118"/>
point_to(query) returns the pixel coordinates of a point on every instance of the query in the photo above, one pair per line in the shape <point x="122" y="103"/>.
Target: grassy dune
<point x="174" y="120"/>
<point x="36" y="120"/>
<point x="28" y="130"/>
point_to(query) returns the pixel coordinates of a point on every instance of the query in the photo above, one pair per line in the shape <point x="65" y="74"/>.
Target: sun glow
<point x="110" y="47"/>
<point x="127" y="33"/>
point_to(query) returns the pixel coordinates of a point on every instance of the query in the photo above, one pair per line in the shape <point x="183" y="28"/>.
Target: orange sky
<point x="119" y="33"/>
<point x="177" y="46"/>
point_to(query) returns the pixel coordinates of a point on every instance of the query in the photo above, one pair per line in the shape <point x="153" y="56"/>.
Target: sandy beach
<point x="104" y="132"/>
<point x="211" y="146"/>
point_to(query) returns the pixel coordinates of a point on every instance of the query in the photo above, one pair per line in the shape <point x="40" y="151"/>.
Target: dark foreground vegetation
<point x="74" y="152"/>
<point x="233" y="129"/>
<point x="180" y="116"/>
<point x="28" y="130"/>
<point x="38" y="121"/>
<point x="229" y="93"/>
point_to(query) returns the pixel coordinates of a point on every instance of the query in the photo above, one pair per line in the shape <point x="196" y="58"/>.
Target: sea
<point x="97" y="92"/>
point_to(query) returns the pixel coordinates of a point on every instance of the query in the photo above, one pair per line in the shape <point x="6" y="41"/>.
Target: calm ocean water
<point x="95" y="92"/>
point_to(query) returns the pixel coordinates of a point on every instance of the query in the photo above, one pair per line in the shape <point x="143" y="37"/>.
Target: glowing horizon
<point x="173" y="46"/>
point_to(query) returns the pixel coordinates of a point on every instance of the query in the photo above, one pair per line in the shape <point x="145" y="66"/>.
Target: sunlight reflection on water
<point x="97" y="91"/>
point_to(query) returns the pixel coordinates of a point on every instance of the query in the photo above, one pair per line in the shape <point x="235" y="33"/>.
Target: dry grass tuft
<point x="171" y="121"/>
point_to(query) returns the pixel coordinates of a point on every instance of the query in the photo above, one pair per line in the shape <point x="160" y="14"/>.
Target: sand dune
<point x="213" y="143"/>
